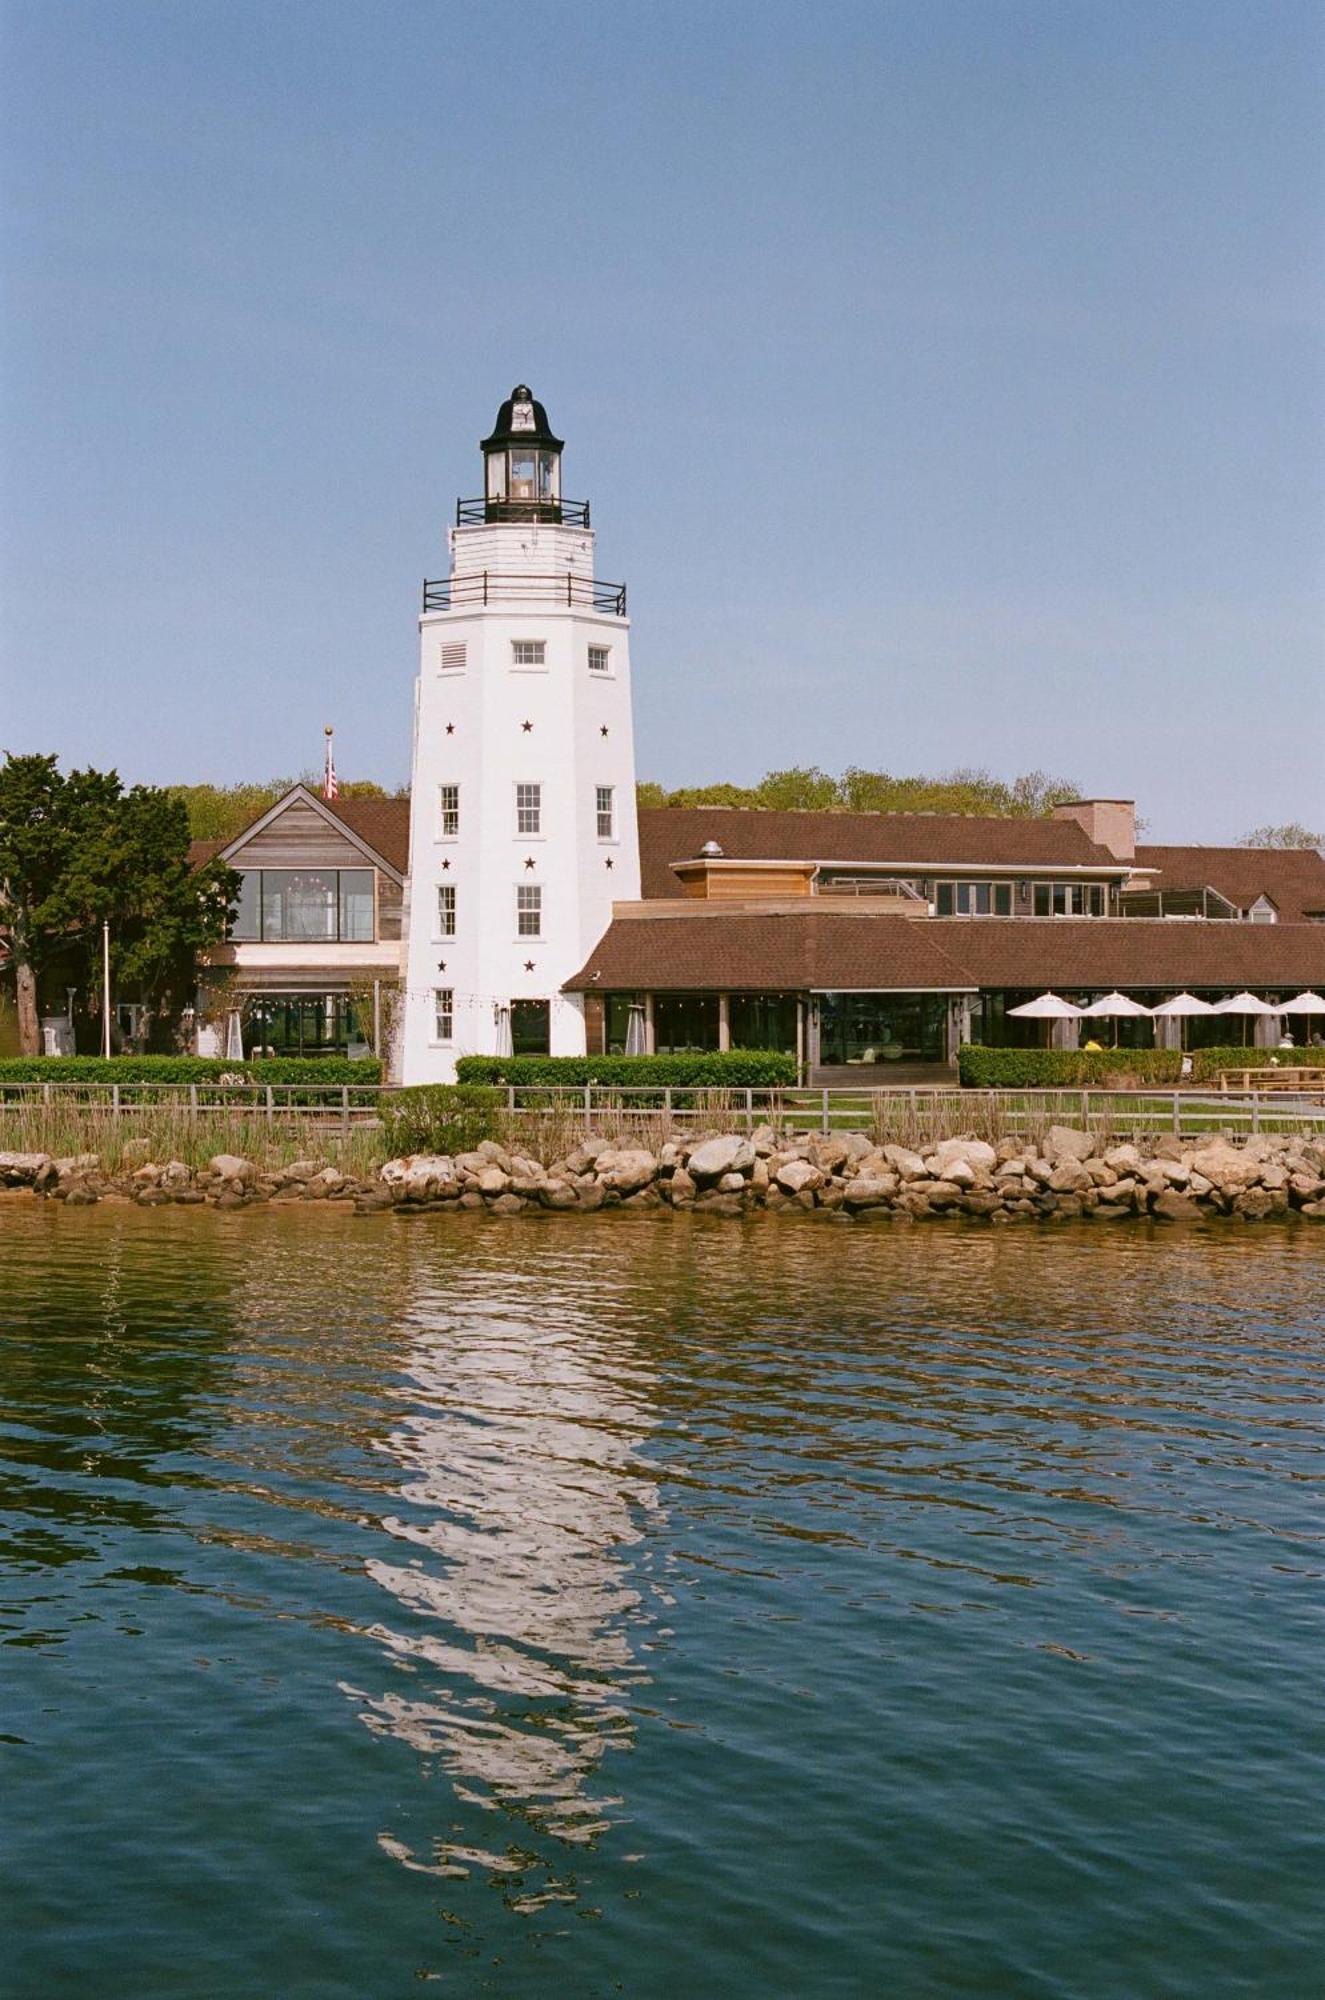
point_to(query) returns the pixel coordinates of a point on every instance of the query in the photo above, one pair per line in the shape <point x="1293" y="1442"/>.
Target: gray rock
<point x="798" y="1177"/>
<point x="626" y="1169"/>
<point x="908" y="1164"/>
<point x="1066" y="1142"/>
<point x="868" y="1190"/>
<point x="713" y="1158"/>
<point x="21" y="1169"/>
<point x="974" y="1152"/>
<point x="1069" y="1176"/>
<point x="1170" y="1206"/>
<point x="232" y="1167"/>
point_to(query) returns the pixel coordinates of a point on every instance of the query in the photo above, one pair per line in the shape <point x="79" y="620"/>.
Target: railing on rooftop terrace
<point x="869" y="885"/>
<point x="485" y="586"/>
<point x="560" y="513"/>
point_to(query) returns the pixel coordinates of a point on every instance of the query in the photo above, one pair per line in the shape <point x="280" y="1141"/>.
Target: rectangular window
<point x="529" y="652"/>
<point x="603" y="812"/>
<point x="246" y="924"/>
<point x="443" y="1013"/>
<point x="600" y="659"/>
<point x="448" y="802"/>
<point x="973" y="899"/>
<point x="446" y="909"/>
<point x="453" y="659"/>
<point x="356" y="905"/>
<point x="528" y="910"/>
<point x="305" y="906"/>
<point x="529" y="808"/>
<point x="1070" y="899"/>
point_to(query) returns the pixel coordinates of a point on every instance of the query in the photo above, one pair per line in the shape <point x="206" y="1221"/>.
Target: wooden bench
<point x="1281" y="1076"/>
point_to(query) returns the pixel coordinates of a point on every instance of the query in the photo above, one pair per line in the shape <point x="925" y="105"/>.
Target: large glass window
<point x="973" y="899"/>
<point x="877" y="1029"/>
<point x="684" y="1022"/>
<point x="529" y="652"/>
<point x="531" y="1030"/>
<point x="305" y="906"/>
<point x="1071" y="899"/>
<point x="603" y="812"/>
<point x="443" y="1013"/>
<point x="448" y="811"/>
<point x="302" y="1024"/>
<point x="446" y="910"/>
<point x="763" y="1021"/>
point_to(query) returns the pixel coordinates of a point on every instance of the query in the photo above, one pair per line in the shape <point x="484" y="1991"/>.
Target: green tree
<point x="806" y="788"/>
<point x="1292" y="835"/>
<point x="219" y="812"/>
<point x="78" y="851"/>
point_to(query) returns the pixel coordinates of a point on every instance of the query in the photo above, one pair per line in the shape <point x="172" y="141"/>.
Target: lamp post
<point x="105" y="988"/>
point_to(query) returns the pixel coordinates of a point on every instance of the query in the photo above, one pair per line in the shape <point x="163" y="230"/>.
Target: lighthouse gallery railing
<point x="474" y="587"/>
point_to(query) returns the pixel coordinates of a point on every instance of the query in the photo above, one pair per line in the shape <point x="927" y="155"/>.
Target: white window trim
<point x="442" y="834"/>
<point x="528" y="937"/>
<point x="441" y="935"/>
<point x="607" y="673"/>
<point x="538" y="784"/>
<point x="529" y="666"/>
<point x="605" y="839"/>
<point x="442" y="1041"/>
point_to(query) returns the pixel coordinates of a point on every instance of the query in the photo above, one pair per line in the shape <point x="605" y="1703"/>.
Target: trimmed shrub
<point x="1049" y="1069"/>
<point x="730" y="1069"/>
<point x="439" y="1117"/>
<point x="187" y="1069"/>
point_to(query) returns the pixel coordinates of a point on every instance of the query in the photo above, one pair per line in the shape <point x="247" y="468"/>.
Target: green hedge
<point x="439" y="1117"/>
<point x="733" y="1069"/>
<point x="187" y="1069"/>
<point x="1048" y="1069"/>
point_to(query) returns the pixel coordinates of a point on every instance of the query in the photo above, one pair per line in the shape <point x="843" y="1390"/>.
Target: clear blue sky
<point x="945" y="374"/>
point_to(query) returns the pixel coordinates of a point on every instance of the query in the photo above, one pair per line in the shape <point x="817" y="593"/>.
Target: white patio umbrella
<point x="1115" y="1007"/>
<point x="635" y="1029"/>
<point x="1048" y="1007"/>
<point x="1180" y="1008"/>
<point x="502" y="1022"/>
<point x="1303" y="1003"/>
<point x="1244" y="1004"/>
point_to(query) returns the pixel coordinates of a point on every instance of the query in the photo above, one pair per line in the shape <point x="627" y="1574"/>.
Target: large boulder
<point x="625" y="1169"/>
<point x="798" y="1177"/>
<point x="1226" y="1167"/>
<point x="712" y="1158"/>
<point x="21" y="1169"/>
<point x="908" y="1164"/>
<point x="1070" y="1175"/>
<point x="232" y="1167"/>
<point x="421" y="1176"/>
<point x="870" y="1190"/>
<point x="1174" y="1207"/>
<point x="971" y="1152"/>
<point x="1066" y="1142"/>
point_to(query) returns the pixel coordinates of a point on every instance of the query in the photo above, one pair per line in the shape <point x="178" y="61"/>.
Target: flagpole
<point x="329" y="786"/>
<point x="105" y="988"/>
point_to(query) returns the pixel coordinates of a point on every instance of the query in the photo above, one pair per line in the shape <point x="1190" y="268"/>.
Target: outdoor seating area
<point x="1260" y="1021"/>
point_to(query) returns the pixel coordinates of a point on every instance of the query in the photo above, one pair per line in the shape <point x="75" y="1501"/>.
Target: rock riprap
<point x="1066" y="1173"/>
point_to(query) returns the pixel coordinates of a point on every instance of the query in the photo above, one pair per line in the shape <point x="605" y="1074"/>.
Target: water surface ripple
<point x="658" y="1607"/>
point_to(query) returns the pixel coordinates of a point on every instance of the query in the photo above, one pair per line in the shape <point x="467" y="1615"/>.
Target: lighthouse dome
<point x="522" y="420"/>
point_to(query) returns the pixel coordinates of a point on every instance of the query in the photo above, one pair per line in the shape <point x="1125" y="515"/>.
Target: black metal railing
<point x="484" y="586"/>
<point x="561" y="513"/>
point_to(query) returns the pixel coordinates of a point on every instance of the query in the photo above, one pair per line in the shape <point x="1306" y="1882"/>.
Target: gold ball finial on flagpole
<point x="328" y="730"/>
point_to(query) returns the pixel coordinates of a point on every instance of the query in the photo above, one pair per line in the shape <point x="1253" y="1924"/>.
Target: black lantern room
<point x="522" y="463"/>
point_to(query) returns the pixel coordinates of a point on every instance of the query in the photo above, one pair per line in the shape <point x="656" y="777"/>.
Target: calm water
<point x="658" y="1608"/>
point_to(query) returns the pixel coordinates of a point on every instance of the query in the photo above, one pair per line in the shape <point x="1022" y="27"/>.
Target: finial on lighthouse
<point x="522" y="462"/>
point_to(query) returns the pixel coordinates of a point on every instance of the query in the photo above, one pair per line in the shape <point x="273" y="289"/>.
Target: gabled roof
<point x="1292" y="877"/>
<point x="898" y="840"/>
<point x="379" y="826"/>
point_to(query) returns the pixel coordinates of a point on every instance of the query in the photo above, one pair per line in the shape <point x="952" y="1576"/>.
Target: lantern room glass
<point x="524" y="476"/>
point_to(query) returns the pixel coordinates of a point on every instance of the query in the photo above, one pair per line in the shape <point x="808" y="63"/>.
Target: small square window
<point x="453" y="659"/>
<point x="446" y="909"/>
<point x="448" y="800"/>
<point x="443" y="1000"/>
<point x="529" y="808"/>
<point x="600" y="659"/>
<point x="529" y="652"/>
<point x="604" y="813"/>
<point x="528" y="910"/>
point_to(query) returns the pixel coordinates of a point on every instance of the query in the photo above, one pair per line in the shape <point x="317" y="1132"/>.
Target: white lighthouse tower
<point x="523" y="828"/>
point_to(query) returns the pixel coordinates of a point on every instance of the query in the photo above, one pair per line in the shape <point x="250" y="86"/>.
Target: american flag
<point x="330" y="788"/>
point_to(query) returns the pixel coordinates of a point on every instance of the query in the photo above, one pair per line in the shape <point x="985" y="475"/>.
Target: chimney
<point x="1110" y="823"/>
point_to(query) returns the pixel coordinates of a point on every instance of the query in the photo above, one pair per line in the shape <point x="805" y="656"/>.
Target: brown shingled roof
<point x="382" y="823"/>
<point x="899" y="840"/>
<point x="823" y="951"/>
<point x="1292" y="877"/>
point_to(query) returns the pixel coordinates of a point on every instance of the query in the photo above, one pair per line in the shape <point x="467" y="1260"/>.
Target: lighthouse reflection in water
<point x="515" y="1615"/>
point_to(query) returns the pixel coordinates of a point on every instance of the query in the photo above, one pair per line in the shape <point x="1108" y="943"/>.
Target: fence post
<point x="115" y="1101"/>
<point x="46" y="1094"/>
<point x="588" y="1105"/>
<point x="1255" y="1111"/>
<point x="510" y="1099"/>
<point x="1085" y="1111"/>
<point x="825" y="1111"/>
<point x="749" y="1108"/>
<point x="271" y="1105"/>
<point x="345" y="1110"/>
<point x="1177" y="1120"/>
<point x="193" y="1100"/>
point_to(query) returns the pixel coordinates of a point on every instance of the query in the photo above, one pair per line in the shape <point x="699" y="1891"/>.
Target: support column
<point x="649" y="1048"/>
<point x="724" y="1021"/>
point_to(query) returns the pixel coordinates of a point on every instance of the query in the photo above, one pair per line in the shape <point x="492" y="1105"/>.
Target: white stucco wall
<point x="487" y="752"/>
